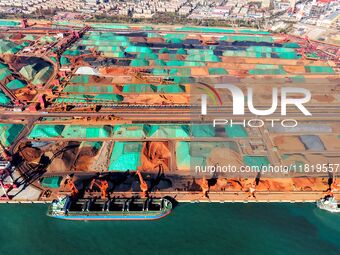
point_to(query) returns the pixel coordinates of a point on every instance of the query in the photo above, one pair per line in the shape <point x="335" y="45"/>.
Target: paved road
<point x="164" y="115"/>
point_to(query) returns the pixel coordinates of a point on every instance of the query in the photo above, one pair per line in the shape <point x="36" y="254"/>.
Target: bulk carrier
<point x="110" y="209"/>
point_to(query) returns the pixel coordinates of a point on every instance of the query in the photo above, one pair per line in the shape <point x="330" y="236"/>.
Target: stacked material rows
<point x="131" y="131"/>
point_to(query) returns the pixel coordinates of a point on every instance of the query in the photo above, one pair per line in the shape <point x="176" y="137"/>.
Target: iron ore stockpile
<point x="114" y="110"/>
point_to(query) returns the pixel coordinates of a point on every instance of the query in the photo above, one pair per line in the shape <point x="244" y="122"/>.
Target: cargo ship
<point x="329" y="204"/>
<point x="111" y="209"/>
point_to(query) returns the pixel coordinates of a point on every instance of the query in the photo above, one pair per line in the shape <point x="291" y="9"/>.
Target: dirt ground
<point x="271" y="184"/>
<point x="156" y="99"/>
<point x="30" y="154"/>
<point x="155" y="154"/>
<point x="224" y="157"/>
<point x="331" y="142"/>
<point x="288" y="143"/>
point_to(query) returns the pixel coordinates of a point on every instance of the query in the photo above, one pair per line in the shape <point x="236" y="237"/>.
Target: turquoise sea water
<point x="191" y="229"/>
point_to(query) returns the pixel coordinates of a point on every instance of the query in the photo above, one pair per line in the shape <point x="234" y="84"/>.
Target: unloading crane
<point x="24" y="23"/>
<point x="4" y="153"/>
<point x="9" y="93"/>
<point x="69" y="40"/>
<point x="143" y="185"/>
<point x="143" y="76"/>
<point x="205" y="187"/>
<point x="71" y="185"/>
<point x="102" y="185"/>
<point x="333" y="187"/>
<point x="208" y="41"/>
<point x="6" y="180"/>
<point x="252" y="190"/>
<point x="309" y="46"/>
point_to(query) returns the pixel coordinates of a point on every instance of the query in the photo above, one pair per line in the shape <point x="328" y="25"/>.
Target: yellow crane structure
<point x="143" y="185"/>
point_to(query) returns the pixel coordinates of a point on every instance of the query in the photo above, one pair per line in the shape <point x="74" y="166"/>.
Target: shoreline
<point x="216" y="197"/>
<point x="184" y="201"/>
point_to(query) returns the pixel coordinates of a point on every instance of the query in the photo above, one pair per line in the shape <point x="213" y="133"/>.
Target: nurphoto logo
<point x="287" y="97"/>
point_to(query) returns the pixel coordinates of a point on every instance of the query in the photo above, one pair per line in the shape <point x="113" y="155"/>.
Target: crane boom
<point x="143" y="185"/>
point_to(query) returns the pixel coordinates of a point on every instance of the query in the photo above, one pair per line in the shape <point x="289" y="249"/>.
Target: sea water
<point x="190" y="229"/>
